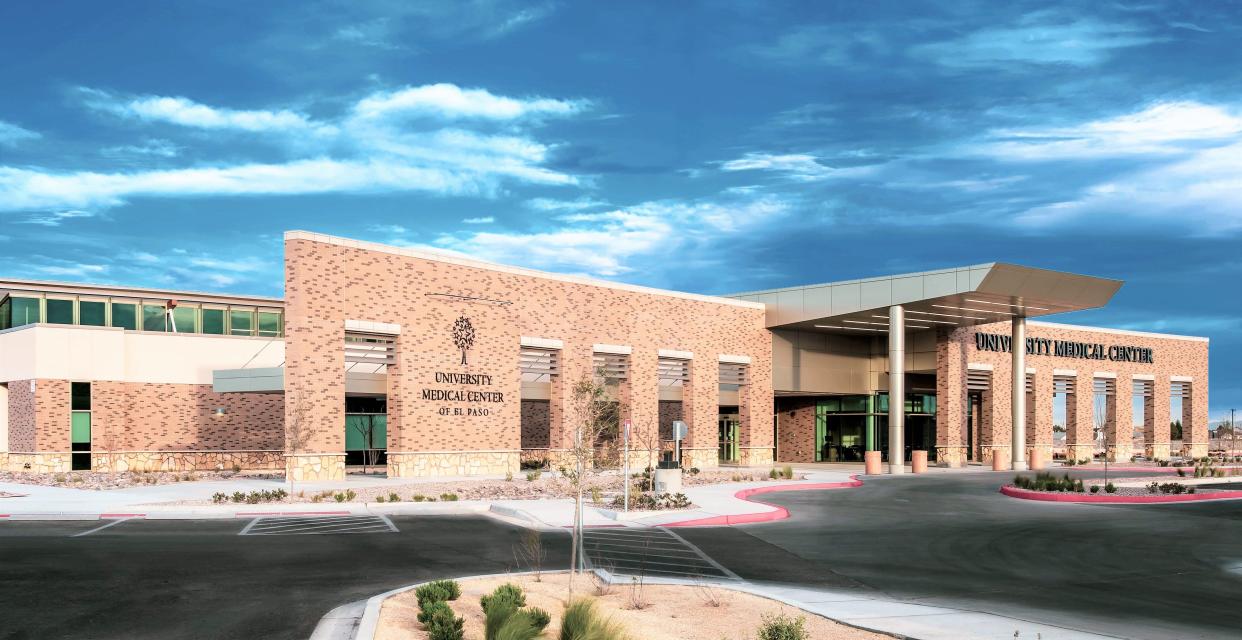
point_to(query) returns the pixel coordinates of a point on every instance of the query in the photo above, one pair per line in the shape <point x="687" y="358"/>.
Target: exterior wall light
<point x="220" y="413"/>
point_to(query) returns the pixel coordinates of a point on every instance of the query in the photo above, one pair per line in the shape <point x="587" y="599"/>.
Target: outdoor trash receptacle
<point x="667" y="481"/>
<point x="918" y="461"/>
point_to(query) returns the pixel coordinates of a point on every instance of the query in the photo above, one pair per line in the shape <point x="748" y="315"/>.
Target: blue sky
<point x="702" y="146"/>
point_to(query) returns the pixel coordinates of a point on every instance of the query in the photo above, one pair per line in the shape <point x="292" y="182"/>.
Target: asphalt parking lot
<point x="1140" y="571"/>
<point x="200" y="579"/>
<point x="1135" y="571"/>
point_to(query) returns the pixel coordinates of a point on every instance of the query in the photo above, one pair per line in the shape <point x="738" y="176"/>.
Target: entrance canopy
<point x="942" y="299"/>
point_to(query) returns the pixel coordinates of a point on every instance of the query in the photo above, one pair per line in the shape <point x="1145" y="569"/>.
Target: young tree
<point x="591" y="413"/>
<point x="298" y="430"/>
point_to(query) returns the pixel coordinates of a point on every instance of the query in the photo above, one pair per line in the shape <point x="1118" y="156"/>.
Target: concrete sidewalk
<point x="712" y="502"/>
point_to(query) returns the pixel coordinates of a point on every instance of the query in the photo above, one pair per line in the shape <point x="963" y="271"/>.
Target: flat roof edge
<point x="816" y="285"/>
<point x="450" y="257"/>
<point x="1123" y="332"/>
<point x="122" y="291"/>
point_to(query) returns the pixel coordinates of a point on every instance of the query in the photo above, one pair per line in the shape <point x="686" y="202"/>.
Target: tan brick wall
<point x="535" y="424"/>
<point x="328" y="283"/>
<point x="21" y="416"/>
<point x="796" y="430"/>
<point x="1173" y="357"/>
<point x="181" y="417"/>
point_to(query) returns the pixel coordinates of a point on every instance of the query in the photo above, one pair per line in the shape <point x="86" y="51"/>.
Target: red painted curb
<point x="1045" y="496"/>
<point x="778" y="513"/>
<point x="248" y="514"/>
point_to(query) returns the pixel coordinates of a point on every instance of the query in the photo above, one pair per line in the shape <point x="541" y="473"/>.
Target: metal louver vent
<point x="1104" y="386"/>
<point x="611" y="366"/>
<point x="1064" y="384"/>
<point x="1144" y="388"/>
<point x="1179" y="389"/>
<point x="369" y="348"/>
<point x="538" y="365"/>
<point x="978" y="380"/>
<point x="673" y="372"/>
<point x="733" y="373"/>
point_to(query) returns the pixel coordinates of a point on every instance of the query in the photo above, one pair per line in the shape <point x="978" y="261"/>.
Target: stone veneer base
<point x="452" y="463"/>
<point x="39" y="462"/>
<point x="313" y="467"/>
<point x="755" y="456"/>
<point x="188" y="460"/>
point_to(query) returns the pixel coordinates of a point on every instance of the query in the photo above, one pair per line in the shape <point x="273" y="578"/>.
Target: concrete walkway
<point x="43" y="503"/>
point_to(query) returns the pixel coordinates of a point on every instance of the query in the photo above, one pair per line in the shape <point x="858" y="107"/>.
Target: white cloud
<point x="553" y="204"/>
<point x="1040" y="38"/>
<point x="608" y="243"/>
<point x="1162" y="128"/>
<point x="55" y="218"/>
<point x="152" y="147"/>
<point x="371" y="147"/>
<point x="448" y="101"/>
<point x="72" y="269"/>
<point x="188" y="113"/>
<point x="11" y="134"/>
<point x="797" y="166"/>
<point x="482" y="220"/>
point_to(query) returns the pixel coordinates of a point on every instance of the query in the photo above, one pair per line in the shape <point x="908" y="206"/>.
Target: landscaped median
<point x="1050" y="488"/>
<point x="527" y="605"/>
<point x="777" y="512"/>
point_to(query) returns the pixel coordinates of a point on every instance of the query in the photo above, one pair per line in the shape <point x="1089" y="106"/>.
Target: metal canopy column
<point x="1017" y="384"/>
<point x="896" y="389"/>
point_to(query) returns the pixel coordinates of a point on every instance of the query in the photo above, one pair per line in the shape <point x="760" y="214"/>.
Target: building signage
<point x="463" y="340"/>
<point x="1066" y="349"/>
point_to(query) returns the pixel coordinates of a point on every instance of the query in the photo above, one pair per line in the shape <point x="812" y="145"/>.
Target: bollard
<point x="874" y="465"/>
<point x="999" y="463"/>
<point x="1035" y="461"/>
<point x="918" y="461"/>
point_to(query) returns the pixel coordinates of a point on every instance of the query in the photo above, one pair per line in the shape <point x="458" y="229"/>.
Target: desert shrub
<point x="1095" y="488"/>
<point x="518" y="626"/>
<point x="507" y="592"/>
<point x="426" y="613"/>
<point x="379" y="498"/>
<point x="239" y="496"/>
<point x="582" y="622"/>
<point x="1181" y="473"/>
<point x="350" y="495"/>
<point x="448" y="497"/>
<point x="339" y="497"/>
<point x="451" y="587"/>
<point x="236" y="468"/>
<point x="429" y="593"/>
<point x="597" y="496"/>
<point x="532" y="476"/>
<point x="772" y="474"/>
<point x="219" y="497"/>
<point x="497" y="613"/>
<point x="539" y="617"/>
<point x="445" y="626"/>
<point x="508" y="476"/>
<point x="787" y="472"/>
<point x="694" y="471"/>
<point x="1153" y="487"/>
<point x="783" y="627"/>
<point x="393" y="497"/>
<point x="1110" y="487"/>
<point x="418" y="497"/>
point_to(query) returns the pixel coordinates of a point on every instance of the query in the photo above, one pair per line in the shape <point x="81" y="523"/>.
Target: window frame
<point x="106" y="311"/>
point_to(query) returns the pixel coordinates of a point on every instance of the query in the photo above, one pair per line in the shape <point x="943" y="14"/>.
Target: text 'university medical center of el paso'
<point x="438" y="365"/>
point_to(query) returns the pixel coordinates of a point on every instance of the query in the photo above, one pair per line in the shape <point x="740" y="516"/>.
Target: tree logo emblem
<point x="463" y="336"/>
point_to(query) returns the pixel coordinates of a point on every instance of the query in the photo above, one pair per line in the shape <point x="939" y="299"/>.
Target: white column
<point x="1017" y="348"/>
<point x="896" y="389"/>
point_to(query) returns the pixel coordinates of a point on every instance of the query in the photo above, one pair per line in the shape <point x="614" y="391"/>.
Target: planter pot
<point x="918" y="461"/>
<point x="999" y="463"/>
<point x="667" y="481"/>
<point x="1035" y="461"/>
<point x="874" y="465"/>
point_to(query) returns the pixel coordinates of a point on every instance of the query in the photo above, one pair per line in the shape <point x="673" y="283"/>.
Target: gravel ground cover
<point x="99" y="480"/>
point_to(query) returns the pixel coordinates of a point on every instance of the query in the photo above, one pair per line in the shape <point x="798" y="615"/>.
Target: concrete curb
<point x="772" y="515"/>
<point x="1045" y="496"/>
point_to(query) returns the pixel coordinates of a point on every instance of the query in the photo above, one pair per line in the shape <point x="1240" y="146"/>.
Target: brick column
<point x="1079" y="416"/>
<point x="644" y="393"/>
<point x="314" y="361"/>
<point x="1159" y="436"/>
<point x="950" y="401"/>
<point x="997" y="417"/>
<point x="1195" y="436"/>
<point x="1039" y="414"/>
<point x="701" y="407"/>
<point x="1119" y="433"/>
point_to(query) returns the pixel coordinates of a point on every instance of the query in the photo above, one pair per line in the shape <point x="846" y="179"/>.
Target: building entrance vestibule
<point x="846" y="427"/>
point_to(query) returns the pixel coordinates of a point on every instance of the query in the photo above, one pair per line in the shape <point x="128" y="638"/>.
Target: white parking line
<point x="101" y="528"/>
<point x="282" y="526"/>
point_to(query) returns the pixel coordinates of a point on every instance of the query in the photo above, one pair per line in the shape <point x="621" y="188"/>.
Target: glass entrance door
<point x="728" y="427"/>
<point x="974" y="416"/>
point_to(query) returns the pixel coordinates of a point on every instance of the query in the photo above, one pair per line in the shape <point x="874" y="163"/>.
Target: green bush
<point x="428" y="612"/>
<point x="518" y="626"/>
<point x="379" y="499"/>
<point x="339" y="497"/>
<point x="582" y="622"/>
<point x="1095" y="488"/>
<point x="393" y="497"/>
<point x="1110" y="487"/>
<point x="451" y="587"/>
<point x="429" y="593"/>
<point x="219" y="497"/>
<point x="507" y="592"/>
<point x="783" y="627"/>
<point x="532" y="476"/>
<point x="445" y="626"/>
<point x="787" y="472"/>
<point x="540" y="617"/>
<point x="448" y="497"/>
<point x="498" y="612"/>
<point x="418" y="497"/>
